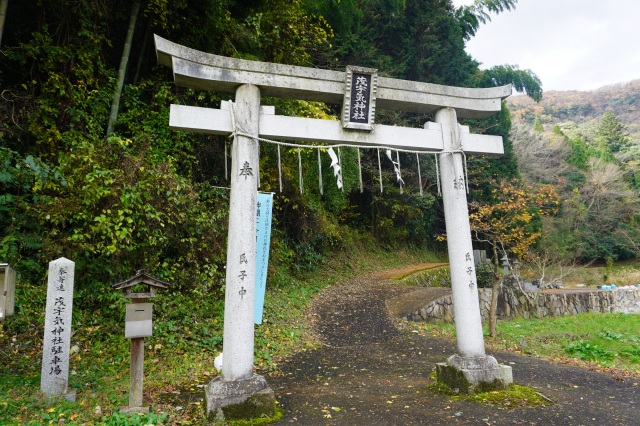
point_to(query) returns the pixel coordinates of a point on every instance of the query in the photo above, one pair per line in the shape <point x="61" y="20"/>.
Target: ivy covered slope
<point x="135" y="195"/>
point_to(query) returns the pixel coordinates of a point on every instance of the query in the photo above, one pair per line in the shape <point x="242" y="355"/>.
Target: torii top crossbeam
<point x="224" y="74"/>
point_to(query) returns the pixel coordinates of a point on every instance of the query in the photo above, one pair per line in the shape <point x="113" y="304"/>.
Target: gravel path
<point x="368" y="372"/>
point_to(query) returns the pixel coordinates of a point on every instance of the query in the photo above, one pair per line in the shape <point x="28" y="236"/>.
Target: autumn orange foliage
<point x="511" y="219"/>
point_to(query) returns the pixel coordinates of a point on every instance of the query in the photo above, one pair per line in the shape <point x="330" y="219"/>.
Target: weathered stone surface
<point x="238" y="342"/>
<point x="239" y="399"/>
<point x="210" y="72"/>
<point x="201" y="70"/>
<point x="7" y="290"/>
<point x="473" y="363"/>
<point x="134" y="410"/>
<point x="411" y="303"/>
<point x="469" y="375"/>
<point x="466" y="310"/>
<point x="511" y="304"/>
<point x="54" y="380"/>
<point x="218" y="122"/>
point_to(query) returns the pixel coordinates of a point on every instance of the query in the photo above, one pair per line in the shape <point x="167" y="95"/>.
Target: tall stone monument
<point x="54" y="380"/>
<point x="361" y="91"/>
<point x="7" y="290"/>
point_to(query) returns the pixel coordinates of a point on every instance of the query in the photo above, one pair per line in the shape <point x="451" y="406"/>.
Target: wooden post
<point x="138" y="325"/>
<point x="136" y="373"/>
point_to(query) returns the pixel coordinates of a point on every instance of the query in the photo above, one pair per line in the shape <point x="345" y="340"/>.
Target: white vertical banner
<point x="263" y="240"/>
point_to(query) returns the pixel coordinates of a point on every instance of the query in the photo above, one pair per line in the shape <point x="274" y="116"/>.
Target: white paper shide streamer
<point x="336" y="161"/>
<point x="337" y="170"/>
<point x="396" y="167"/>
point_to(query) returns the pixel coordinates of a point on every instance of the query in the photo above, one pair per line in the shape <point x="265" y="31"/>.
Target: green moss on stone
<point x="513" y="396"/>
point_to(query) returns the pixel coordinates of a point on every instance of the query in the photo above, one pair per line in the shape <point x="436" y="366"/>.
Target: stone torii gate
<point x="361" y="91"/>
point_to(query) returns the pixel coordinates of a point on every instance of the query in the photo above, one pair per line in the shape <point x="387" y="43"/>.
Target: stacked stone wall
<point x="514" y="302"/>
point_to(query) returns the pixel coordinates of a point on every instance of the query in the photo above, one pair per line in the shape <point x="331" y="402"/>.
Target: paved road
<point x="368" y="372"/>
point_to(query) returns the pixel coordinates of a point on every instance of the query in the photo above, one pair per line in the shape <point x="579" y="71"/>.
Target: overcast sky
<point x="569" y="44"/>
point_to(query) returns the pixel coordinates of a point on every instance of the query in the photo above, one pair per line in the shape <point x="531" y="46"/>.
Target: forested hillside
<point x="586" y="144"/>
<point x="583" y="107"/>
<point x="90" y="171"/>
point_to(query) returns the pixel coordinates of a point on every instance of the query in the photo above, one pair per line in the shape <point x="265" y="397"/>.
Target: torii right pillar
<point x="470" y="369"/>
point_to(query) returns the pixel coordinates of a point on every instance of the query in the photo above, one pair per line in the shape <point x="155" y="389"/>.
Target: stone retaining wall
<point x="512" y="302"/>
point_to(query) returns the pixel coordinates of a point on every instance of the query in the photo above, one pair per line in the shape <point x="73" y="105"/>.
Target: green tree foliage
<point x="147" y="197"/>
<point x="484" y="172"/>
<point x="537" y="125"/>
<point x="112" y="205"/>
<point x="524" y="81"/>
<point x="285" y="33"/>
<point x="579" y="152"/>
<point x="24" y="182"/>
<point x="471" y="16"/>
<point x="612" y="135"/>
<point x="411" y="39"/>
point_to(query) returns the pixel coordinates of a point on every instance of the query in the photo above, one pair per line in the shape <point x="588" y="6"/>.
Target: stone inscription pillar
<point x="470" y="368"/>
<point x="241" y="246"/>
<point x="54" y="381"/>
<point x="239" y="393"/>
<point x="456" y="214"/>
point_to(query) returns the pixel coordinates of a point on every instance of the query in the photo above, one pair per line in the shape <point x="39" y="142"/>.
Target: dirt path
<point x="368" y="372"/>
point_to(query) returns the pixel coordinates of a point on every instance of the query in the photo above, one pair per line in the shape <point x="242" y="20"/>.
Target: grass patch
<point x="178" y="357"/>
<point x="621" y="274"/>
<point x="603" y="340"/>
<point x="254" y="422"/>
<point x="514" y="396"/>
<point x="437" y="276"/>
<point x="608" y="340"/>
<point x="414" y="272"/>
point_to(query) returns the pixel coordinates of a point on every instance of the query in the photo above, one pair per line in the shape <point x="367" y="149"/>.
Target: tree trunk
<point x="145" y="43"/>
<point x="3" y="14"/>
<point x="115" y="104"/>
<point x="495" y="288"/>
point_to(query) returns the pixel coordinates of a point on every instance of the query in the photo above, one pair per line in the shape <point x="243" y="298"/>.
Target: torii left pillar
<point x="239" y="392"/>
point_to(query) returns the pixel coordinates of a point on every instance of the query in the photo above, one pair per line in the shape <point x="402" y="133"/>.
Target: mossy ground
<point x="514" y="396"/>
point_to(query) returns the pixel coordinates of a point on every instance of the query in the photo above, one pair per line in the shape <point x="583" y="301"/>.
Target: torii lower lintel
<point x="219" y="122"/>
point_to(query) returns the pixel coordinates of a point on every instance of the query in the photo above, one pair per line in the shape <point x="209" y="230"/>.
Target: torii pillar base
<point x="239" y="399"/>
<point x="470" y="375"/>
